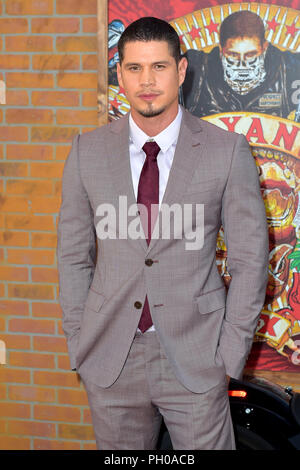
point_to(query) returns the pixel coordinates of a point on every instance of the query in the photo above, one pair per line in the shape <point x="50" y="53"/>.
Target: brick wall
<point x="48" y="62"/>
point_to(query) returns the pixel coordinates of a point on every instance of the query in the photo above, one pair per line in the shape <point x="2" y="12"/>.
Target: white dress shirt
<point x="167" y="140"/>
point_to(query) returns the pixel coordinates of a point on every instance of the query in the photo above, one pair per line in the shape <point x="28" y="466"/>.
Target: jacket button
<point x="138" y="304"/>
<point x="149" y="262"/>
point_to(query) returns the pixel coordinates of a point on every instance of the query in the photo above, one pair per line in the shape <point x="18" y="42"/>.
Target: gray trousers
<point x="128" y="414"/>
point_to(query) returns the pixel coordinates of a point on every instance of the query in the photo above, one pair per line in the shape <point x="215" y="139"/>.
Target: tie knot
<point x="151" y="149"/>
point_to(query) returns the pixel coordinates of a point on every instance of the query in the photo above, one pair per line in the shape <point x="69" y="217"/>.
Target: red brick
<point x="29" y="80"/>
<point x="46" y="309"/>
<point x="68" y="116"/>
<point x="9" y="61"/>
<point x="14" y="204"/>
<point x="13" y="169"/>
<point x="12" y="273"/>
<point x="16" y="341"/>
<point x="17" y="98"/>
<point x="60" y="330"/>
<point x="88" y="446"/>
<point x="10" y="238"/>
<point x="90" y="62"/>
<point x="89" y="99"/>
<point x="50" y="343"/>
<point x="47" y="240"/>
<point x="53" y="134"/>
<point x="15" y="25"/>
<point x="63" y="362"/>
<point x="89" y="25"/>
<point x="45" y="205"/>
<point x="28" y="187"/>
<point x="31" y="291"/>
<point x="3" y="395"/>
<point x="55" y="25"/>
<point x="14" y="410"/>
<point x="46" y="169"/>
<point x="76" y="432"/>
<point x="25" y="325"/>
<point x="72" y="397"/>
<point x="44" y="275"/>
<point x="55" y="98"/>
<point x="87" y="417"/>
<point x="56" y="62"/>
<point x="28" y="256"/>
<point x="33" y="360"/>
<point x="62" y="151"/>
<point x="19" y="134"/>
<point x="47" y="444"/>
<point x="29" y="43"/>
<point x="29" y="7"/>
<point x="76" y="43"/>
<point x="65" y="379"/>
<point x="31" y="428"/>
<point x="29" y="222"/>
<point x="29" y="116"/>
<point x="76" y="7"/>
<point x="31" y="394"/>
<point x="32" y="152"/>
<point x="57" y="413"/>
<point x="14" y="443"/>
<point x="77" y="80"/>
<point x="13" y="307"/>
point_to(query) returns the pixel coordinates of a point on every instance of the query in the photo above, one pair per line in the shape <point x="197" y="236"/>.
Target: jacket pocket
<point x="203" y="186"/>
<point x="212" y="301"/>
<point x="94" y="300"/>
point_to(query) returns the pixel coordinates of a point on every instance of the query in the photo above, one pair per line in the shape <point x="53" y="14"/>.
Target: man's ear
<point x="119" y="75"/>
<point x="182" y="66"/>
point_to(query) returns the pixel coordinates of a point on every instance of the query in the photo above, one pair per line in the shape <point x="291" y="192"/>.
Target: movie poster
<point x="249" y="84"/>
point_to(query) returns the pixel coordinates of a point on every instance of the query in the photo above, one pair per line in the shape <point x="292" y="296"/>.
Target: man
<point x="149" y="327"/>
<point x="243" y="73"/>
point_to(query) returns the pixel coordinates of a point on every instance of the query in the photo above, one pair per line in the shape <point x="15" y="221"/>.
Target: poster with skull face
<point x="244" y="76"/>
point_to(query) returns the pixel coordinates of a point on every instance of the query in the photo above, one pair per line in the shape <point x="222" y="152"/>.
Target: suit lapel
<point x="189" y="153"/>
<point x="119" y="166"/>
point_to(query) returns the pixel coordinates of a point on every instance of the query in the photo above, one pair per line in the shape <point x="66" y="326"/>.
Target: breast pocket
<point x="203" y="186"/>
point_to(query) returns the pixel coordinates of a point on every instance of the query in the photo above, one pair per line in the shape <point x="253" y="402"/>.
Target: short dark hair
<point x="147" y="29"/>
<point x="242" y="24"/>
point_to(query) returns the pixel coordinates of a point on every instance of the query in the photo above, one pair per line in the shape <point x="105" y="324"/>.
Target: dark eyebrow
<point x="130" y="64"/>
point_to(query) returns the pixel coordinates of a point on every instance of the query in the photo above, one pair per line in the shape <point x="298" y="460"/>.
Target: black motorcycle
<point x="265" y="416"/>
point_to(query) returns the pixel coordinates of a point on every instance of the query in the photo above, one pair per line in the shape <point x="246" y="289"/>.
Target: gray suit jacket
<point x="204" y="330"/>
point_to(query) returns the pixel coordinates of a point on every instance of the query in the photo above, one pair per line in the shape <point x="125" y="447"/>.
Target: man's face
<point x="243" y="49"/>
<point x="243" y="63"/>
<point x="151" y="78"/>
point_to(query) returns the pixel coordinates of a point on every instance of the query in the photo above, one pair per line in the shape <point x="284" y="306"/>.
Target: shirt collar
<point x="164" y="139"/>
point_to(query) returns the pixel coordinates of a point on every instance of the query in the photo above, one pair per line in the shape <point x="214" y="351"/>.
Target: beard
<point x="151" y="112"/>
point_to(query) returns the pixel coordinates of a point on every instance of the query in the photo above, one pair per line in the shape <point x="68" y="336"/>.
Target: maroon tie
<point x="148" y="193"/>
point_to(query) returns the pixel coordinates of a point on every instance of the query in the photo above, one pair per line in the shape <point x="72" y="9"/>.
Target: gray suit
<point x="203" y="331"/>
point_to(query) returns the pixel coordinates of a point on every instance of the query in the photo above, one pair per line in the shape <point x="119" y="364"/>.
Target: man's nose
<point x="147" y="76"/>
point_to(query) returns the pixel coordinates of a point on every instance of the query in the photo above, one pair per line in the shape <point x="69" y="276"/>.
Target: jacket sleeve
<point x="246" y="237"/>
<point x="76" y="249"/>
